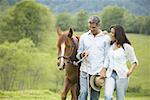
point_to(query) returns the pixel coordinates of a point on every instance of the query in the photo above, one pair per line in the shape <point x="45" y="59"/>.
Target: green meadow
<point x="47" y="95"/>
<point x="139" y="82"/>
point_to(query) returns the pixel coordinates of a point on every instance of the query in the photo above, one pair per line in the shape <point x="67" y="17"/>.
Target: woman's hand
<point x="133" y="66"/>
<point x="129" y="73"/>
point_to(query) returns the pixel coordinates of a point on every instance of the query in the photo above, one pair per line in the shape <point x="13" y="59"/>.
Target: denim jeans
<point x="84" y="87"/>
<point x="113" y="83"/>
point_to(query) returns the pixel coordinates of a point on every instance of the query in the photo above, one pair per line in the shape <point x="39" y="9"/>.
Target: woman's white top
<point x="117" y="60"/>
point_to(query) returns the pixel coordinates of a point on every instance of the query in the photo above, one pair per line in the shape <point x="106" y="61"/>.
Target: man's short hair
<point x="94" y="19"/>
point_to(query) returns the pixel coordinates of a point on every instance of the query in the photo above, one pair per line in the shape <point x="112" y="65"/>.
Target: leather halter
<point x="69" y="58"/>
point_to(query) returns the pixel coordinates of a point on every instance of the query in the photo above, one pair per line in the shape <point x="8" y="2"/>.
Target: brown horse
<point x="67" y="50"/>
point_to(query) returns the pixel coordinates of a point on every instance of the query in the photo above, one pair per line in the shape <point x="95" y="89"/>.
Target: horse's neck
<point x="73" y="56"/>
<point x="75" y="40"/>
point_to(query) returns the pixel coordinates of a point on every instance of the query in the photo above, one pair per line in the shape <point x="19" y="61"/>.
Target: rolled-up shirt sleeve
<point x="130" y="53"/>
<point x="106" y="49"/>
<point x="107" y="46"/>
<point x="80" y="48"/>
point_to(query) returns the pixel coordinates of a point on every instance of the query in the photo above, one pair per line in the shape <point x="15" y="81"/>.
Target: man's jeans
<point x="113" y="83"/>
<point x="84" y="87"/>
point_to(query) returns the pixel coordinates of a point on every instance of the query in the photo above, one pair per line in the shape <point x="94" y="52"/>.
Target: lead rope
<point x="76" y="63"/>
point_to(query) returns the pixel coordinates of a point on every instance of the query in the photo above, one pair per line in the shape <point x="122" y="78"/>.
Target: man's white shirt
<point x="97" y="47"/>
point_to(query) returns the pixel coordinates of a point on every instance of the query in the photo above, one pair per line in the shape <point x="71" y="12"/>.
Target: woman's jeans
<point x="84" y="87"/>
<point x="113" y="83"/>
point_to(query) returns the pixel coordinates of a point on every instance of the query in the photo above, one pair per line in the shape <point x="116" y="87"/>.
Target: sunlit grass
<point x="46" y="95"/>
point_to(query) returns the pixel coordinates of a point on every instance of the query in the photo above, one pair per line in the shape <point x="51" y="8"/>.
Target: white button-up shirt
<point x="97" y="48"/>
<point x="117" y="60"/>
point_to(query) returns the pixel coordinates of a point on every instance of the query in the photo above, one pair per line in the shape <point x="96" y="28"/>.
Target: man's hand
<point x="103" y="73"/>
<point x="84" y="54"/>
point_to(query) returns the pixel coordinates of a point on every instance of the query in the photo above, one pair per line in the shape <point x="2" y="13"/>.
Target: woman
<point x="117" y="72"/>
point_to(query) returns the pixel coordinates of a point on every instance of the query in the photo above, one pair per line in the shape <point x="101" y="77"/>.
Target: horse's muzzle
<point x="61" y="66"/>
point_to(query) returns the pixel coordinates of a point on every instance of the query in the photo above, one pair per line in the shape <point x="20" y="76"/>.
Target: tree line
<point x="138" y="7"/>
<point x="109" y="16"/>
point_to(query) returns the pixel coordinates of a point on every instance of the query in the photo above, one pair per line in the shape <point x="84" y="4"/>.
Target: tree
<point x="64" y="21"/>
<point x="111" y="15"/>
<point x="22" y="66"/>
<point x="3" y="5"/>
<point x="81" y="21"/>
<point x="130" y="22"/>
<point x="143" y="24"/>
<point x="28" y="19"/>
<point x="13" y="60"/>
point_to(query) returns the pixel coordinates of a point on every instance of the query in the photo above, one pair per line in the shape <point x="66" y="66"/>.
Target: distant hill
<point x="138" y="7"/>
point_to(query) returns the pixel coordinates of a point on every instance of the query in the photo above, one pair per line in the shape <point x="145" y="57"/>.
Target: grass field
<point x="46" y="95"/>
<point x="140" y="78"/>
<point x="139" y="84"/>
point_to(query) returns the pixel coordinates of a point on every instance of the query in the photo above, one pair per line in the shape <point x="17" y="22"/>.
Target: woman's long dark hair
<point x="120" y="36"/>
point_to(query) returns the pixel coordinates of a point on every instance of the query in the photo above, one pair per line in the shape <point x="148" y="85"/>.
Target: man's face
<point x="94" y="28"/>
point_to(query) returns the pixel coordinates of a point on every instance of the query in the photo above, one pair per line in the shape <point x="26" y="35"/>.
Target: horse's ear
<point x="59" y="31"/>
<point x="70" y="32"/>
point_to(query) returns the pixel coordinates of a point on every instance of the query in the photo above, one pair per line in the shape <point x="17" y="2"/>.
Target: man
<point x="93" y="45"/>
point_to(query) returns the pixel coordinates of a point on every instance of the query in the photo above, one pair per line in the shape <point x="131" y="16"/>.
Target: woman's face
<point x="112" y="33"/>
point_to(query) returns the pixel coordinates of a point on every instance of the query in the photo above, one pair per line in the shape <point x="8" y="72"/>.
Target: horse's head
<point x="67" y="47"/>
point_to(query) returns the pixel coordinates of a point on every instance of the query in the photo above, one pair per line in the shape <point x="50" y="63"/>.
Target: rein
<point x="62" y="57"/>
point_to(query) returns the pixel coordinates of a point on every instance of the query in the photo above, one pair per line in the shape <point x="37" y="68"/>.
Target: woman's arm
<point x="131" y="57"/>
<point x="133" y="66"/>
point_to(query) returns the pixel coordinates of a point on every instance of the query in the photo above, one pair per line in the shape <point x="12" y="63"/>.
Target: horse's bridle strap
<point x="63" y="57"/>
